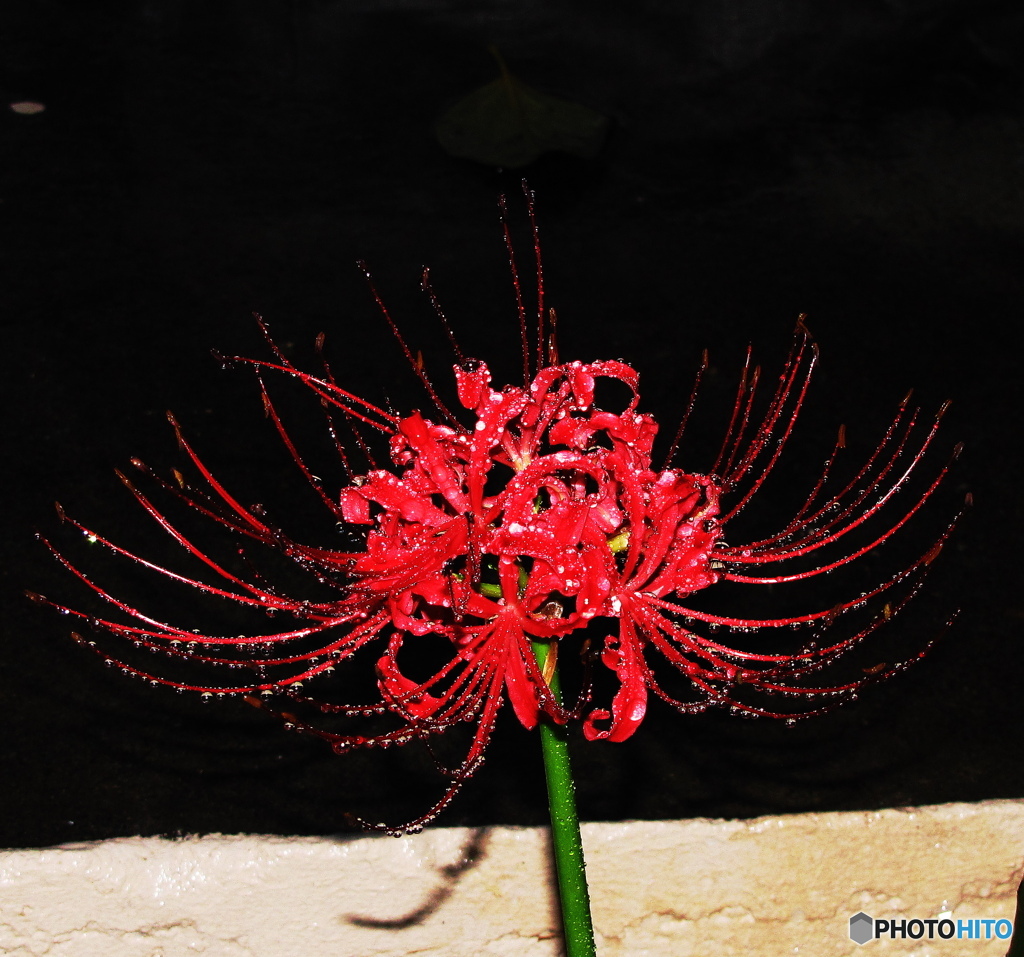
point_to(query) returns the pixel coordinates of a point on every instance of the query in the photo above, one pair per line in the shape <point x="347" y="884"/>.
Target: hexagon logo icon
<point x="862" y="928"/>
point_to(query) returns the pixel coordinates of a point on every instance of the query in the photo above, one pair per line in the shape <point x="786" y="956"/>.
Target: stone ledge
<point x="770" y="886"/>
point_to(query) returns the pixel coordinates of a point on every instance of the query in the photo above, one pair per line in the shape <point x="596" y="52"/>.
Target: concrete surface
<point x="770" y="886"/>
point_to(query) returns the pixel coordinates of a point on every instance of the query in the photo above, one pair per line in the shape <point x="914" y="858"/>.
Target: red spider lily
<point x="528" y="520"/>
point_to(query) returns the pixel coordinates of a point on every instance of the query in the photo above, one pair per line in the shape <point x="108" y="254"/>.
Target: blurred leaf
<point x="27" y="107"/>
<point x="509" y="124"/>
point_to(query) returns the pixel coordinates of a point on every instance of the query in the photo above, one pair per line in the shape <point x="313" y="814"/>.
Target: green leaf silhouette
<point x="509" y="124"/>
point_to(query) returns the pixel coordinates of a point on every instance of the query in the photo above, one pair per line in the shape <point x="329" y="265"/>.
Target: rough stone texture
<point x="770" y="886"/>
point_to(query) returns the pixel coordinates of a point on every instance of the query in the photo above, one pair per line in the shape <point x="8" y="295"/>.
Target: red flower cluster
<point x="538" y="517"/>
<point x="582" y="527"/>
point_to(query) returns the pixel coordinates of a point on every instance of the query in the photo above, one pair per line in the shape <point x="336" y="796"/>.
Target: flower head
<point x="534" y="516"/>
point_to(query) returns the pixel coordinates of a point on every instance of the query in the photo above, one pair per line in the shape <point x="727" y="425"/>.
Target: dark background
<point x="862" y="162"/>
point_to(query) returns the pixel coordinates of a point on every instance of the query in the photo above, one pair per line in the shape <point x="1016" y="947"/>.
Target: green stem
<point x="570" y="868"/>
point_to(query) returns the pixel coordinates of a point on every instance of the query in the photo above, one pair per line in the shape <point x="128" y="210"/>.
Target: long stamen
<point x="414" y="363"/>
